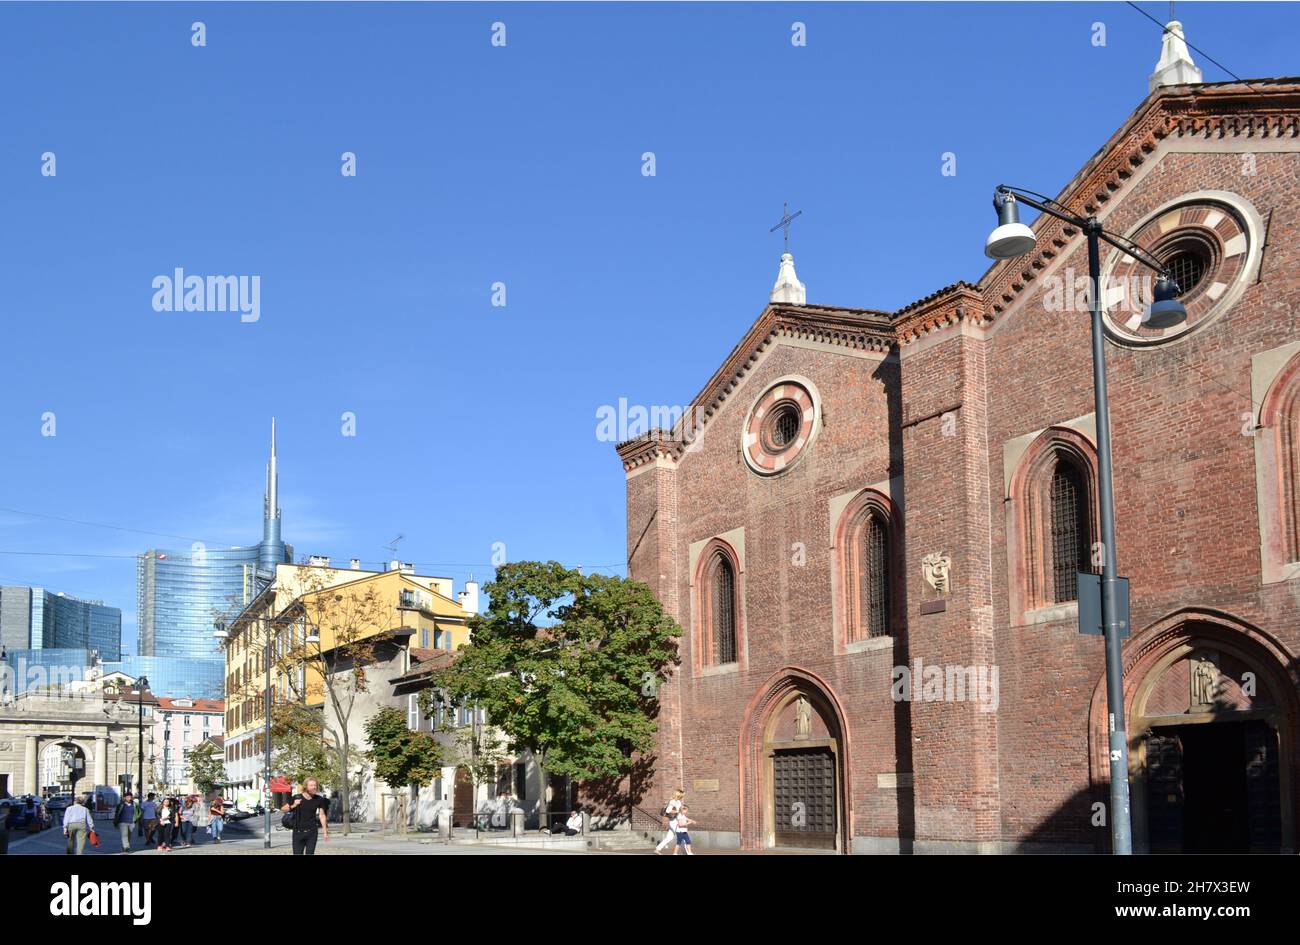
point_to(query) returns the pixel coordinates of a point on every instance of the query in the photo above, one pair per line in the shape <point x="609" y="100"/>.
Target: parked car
<point x="234" y="813"/>
<point x="28" y="813"/>
<point x="6" y="804"/>
<point x="59" y="802"/>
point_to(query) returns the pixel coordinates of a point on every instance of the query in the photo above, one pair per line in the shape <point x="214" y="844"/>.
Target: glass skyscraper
<point x="32" y="618"/>
<point x="181" y="595"/>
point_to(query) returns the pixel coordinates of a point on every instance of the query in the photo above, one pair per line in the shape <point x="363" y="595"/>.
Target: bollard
<point x="517" y="822"/>
<point x="444" y="823"/>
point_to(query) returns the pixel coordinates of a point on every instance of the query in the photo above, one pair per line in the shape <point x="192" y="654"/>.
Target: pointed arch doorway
<point x="794" y="764"/>
<point x="1212" y="725"/>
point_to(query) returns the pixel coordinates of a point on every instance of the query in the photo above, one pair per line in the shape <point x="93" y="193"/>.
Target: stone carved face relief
<point x="935" y="568"/>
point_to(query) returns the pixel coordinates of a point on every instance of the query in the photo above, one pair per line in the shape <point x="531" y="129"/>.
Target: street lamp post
<point x="140" y="685"/>
<point x="267" y="642"/>
<point x="1011" y="239"/>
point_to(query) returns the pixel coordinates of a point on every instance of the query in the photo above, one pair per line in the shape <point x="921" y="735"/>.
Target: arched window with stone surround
<point x="723" y="610"/>
<point x="867" y="552"/>
<point x="1277" y="473"/>
<point x="1068" y="529"/>
<point x="1053" y="520"/>
<point x="719" y="635"/>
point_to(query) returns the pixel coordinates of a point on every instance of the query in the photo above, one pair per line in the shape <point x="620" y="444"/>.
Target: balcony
<point x="415" y="600"/>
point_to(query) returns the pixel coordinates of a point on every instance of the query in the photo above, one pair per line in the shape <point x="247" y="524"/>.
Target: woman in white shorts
<point x="671" y="811"/>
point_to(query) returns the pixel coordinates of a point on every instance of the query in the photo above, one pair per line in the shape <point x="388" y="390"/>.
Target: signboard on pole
<point x="1090" y="615"/>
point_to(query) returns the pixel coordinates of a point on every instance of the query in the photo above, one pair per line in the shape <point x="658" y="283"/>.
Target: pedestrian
<point x="125" y="817"/>
<point x="77" y="824"/>
<point x="187" y="820"/>
<point x="149" y="818"/>
<point x="166" y="824"/>
<point x="671" y="810"/>
<point x="683" y="834"/>
<point x="217" y="811"/>
<point x="310" y="809"/>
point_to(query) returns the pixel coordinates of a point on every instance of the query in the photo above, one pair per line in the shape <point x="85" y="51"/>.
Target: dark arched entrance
<point x="1212" y="711"/>
<point x="794" y="766"/>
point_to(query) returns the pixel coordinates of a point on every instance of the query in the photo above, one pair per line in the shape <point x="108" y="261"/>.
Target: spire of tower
<point x="1175" y="66"/>
<point x="272" y="550"/>
<point x="271" y="505"/>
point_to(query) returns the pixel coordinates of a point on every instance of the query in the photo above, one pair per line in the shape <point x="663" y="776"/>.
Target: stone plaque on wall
<point x="706" y="785"/>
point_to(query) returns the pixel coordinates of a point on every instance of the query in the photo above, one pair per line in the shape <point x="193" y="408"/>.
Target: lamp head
<point x="1011" y="238"/>
<point x="1165" y="311"/>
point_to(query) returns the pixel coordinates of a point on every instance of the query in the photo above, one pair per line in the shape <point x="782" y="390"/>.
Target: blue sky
<point x="476" y="164"/>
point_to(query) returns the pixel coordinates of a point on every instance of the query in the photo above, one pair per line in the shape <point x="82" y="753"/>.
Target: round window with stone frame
<point x="780" y="429"/>
<point x="780" y="425"/>
<point x="1205" y="245"/>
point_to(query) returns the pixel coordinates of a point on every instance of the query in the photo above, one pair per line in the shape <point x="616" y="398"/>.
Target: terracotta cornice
<point x="853" y="328"/>
<point x="960" y="302"/>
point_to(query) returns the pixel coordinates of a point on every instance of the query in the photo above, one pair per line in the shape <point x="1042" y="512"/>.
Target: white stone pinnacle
<point x="1175" y="66"/>
<point x="788" y="289"/>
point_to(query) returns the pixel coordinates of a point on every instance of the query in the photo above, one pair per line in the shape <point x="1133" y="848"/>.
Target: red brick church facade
<point x="869" y="489"/>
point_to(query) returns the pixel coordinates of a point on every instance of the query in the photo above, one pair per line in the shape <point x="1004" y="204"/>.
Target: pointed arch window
<point x="874" y="574"/>
<point x="724" y="610"/>
<point x="1053" y="523"/>
<point x="1069" y="530"/>
<point x="719" y="635"/>
<point x="867" y="569"/>
<point x="1277" y="470"/>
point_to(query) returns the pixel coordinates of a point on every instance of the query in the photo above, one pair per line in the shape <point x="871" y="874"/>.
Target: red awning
<point x="281" y="786"/>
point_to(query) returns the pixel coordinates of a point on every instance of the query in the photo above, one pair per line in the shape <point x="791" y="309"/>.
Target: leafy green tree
<point x="567" y="665"/>
<point x="400" y="756"/>
<point x="298" y="745"/>
<point x="207" y="767"/>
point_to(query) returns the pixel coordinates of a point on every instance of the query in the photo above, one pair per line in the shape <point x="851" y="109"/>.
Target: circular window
<point x="781" y="429"/>
<point x="1206" y="248"/>
<point x="780" y="426"/>
<point x="1186" y="267"/>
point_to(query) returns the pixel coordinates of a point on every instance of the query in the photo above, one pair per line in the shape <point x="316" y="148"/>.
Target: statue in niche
<point x="1205" y="682"/>
<point x="802" y="718"/>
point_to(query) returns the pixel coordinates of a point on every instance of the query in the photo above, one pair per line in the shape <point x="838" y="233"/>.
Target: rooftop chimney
<point x="1175" y="66"/>
<point x="788" y="289"/>
<point x="469" y="597"/>
<point x="355" y="564"/>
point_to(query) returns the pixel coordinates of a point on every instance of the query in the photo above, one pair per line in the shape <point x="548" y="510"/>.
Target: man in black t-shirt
<point x="311" y="808"/>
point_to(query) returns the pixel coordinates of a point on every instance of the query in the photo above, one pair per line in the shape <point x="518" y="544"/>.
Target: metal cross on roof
<point x="786" y="219"/>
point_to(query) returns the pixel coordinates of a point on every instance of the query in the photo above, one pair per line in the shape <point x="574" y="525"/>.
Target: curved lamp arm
<point x="1050" y="207"/>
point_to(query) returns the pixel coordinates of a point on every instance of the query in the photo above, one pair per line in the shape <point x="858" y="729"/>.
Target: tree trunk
<point x="347" y="785"/>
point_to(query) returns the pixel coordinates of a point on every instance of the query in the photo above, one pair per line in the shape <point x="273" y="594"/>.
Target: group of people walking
<point x="162" y="822"/>
<point x="678" y="826"/>
<point x="168" y="821"/>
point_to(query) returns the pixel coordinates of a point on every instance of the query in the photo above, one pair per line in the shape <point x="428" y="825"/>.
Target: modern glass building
<point x="195" y="678"/>
<point x="181" y="595"/>
<point x="32" y="618"/>
<point x="24" y="669"/>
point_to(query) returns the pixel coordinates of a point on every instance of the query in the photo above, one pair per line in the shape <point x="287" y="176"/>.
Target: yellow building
<point x="318" y="619"/>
